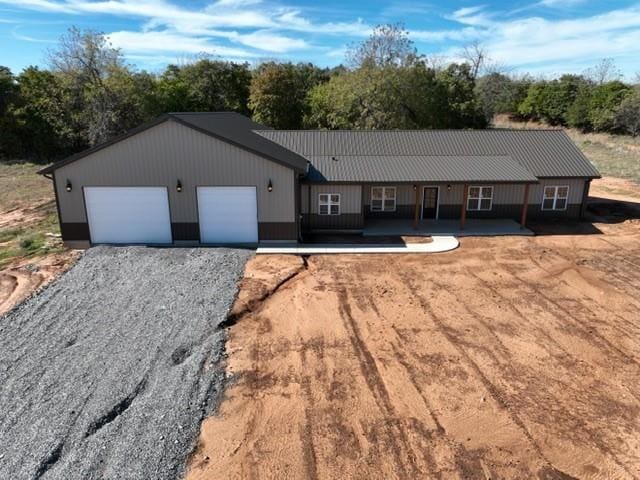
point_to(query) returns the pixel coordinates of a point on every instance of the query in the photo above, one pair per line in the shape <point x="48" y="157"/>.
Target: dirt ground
<point x="512" y="357"/>
<point x="20" y="279"/>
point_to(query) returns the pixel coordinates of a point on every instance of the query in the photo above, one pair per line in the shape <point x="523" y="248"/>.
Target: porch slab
<point x="434" y="228"/>
<point x="437" y="245"/>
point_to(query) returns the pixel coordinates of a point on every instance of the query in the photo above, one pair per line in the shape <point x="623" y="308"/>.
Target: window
<point x="555" y="197"/>
<point x="329" y="204"/>
<point x="480" y="198"/>
<point x="383" y="199"/>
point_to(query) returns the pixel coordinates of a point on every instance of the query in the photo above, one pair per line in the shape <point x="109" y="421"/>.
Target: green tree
<point x="9" y="95"/>
<point x="206" y="85"/>
<point x="48" y="127"/>
<point x="388" y="45"/>
<point x="84" y="60"/>
<point x="386" y="98"/>
<point x="578" y="114"/>
<point x="463" y="108"/>
<point x="278" y="93"/>
<point x="627" y="116"/>
<point x="498" y="93"/>
<point x="550" y="101"/>
<point x="605" y="101"/>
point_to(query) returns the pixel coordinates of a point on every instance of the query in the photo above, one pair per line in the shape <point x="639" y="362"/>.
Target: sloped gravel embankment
<point x="107" y="373"/>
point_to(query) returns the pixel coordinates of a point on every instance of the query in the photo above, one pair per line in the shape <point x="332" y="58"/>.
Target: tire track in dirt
<point x="579" y="324"/>
<point x="593" y="436"/>
<point x="393" y="429"/>
<point x="488" y="385"/>
<point x="565" y="313"/>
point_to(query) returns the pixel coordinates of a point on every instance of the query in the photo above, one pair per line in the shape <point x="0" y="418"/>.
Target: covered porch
<point x="472" y="227"/>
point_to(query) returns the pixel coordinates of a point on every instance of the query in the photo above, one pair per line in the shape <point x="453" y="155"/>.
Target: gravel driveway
<point x="108" y="372"/>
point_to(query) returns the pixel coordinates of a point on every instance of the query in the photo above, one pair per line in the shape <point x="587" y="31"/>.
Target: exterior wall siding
<point x="507" y="201"/>
<point x="350" y="217"/>
<point x="167" y="152"/>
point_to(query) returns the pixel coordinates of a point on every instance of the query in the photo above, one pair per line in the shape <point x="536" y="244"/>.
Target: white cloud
<point x="560" y="3"/>
<point x="271" y="42"/>
<point x="151" y="42"/>
<point x="253" y="28"/>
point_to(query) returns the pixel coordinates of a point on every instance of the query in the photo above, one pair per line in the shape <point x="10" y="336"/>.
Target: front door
<point x="430" y="202"/>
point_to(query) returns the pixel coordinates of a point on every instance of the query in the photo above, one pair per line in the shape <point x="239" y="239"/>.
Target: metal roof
<point x="226" y="126"/>
<point x="387" y="155"/>
<point x="402" y="168"/>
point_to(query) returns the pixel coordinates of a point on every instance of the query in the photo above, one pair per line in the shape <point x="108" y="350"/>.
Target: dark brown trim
<point x="585" y="198"/>
<point x="185" y="231"/>
<point x="512" y="211"/>
<point x="401" y="211"/>
<point x="278" y="231"/>
<point x="344" y="221"/>
<point x="75" y="231"/>
<point x="55" y="193"/>
<point x="419" y="182"/>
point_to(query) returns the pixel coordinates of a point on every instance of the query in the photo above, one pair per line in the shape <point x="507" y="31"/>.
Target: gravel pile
<point x="107" y="373"/>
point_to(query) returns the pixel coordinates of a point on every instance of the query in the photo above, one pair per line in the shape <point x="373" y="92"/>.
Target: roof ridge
<point x="483" y="155"/>
<point x="421" y="130"/>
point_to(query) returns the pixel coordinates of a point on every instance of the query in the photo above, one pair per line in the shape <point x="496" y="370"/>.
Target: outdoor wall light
<point x="415" y="187"/>
<point x="449" y="188"/>
<point x="270" y="186"/>
<point x="179" y="186"/>
<point x="69" y="187"/>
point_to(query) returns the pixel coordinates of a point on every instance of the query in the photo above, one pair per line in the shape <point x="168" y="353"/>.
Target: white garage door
<point x="128" y="214"/>
<point x="228" y="214"/>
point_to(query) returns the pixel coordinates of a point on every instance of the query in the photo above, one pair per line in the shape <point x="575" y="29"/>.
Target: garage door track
<point x="108" y="372"/>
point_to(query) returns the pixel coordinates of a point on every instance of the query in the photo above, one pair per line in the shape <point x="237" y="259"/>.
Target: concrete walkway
<point x="439" y="244"/>
<point x="473" y="228"/>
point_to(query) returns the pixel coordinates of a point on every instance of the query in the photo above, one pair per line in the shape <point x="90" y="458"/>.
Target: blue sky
<point x="544" y="37"/>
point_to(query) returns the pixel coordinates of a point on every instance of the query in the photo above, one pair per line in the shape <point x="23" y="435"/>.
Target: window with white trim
<point x="480" y="198"/>
<point x="383" y="199"/>
<point x="555" y="197"/>
<point x="329" y="204"/>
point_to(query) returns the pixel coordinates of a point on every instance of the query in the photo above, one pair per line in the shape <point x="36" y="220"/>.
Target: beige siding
<point x="507" y="194"/>
<point x="350" y="196"/>
<point x="168" y="152"/>
<point x="404" y="193"/>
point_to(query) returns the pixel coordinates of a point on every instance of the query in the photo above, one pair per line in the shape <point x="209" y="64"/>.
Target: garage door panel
<point x="228" y="214"/>
<point x="128" y="214"/>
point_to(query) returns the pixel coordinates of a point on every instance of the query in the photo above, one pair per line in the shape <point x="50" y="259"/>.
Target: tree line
<point x="89" y="94"/>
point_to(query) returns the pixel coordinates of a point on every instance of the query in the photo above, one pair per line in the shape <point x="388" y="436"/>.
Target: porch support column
<point x="463" y="213"/>
<point x="416" y="213"/>
<point x="525" y="206"/>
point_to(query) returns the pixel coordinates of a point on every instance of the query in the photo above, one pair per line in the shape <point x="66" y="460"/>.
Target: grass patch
<point x="35" y="240"/>
<point x="23" y="188"/>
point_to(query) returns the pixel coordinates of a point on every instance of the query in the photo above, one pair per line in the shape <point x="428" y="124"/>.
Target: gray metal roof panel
<point x="405" y="168"/>
<point x="544" y="153"/>
<point x="241" y="131"/>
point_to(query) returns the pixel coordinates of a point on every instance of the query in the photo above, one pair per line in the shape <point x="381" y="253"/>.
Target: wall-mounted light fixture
<point x="69" y="187"/>
<point x="415" y="187"/>
<point x="179" y="186"/>
<point x="270" y="186"/>
<point x="449" y="188"/>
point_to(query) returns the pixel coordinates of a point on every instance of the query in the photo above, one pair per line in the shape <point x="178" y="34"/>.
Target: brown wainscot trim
<point x="278" y="231"/>
<point x="75" y="231"/>
<point x="189" y="231"/>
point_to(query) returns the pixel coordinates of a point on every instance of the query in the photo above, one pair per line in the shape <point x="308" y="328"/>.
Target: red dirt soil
<point x="507" y="358"/>
<point x="19" y="280"/>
